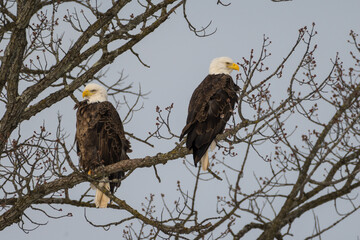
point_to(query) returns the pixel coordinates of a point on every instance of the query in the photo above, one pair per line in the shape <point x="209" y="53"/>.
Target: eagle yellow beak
<point x="86" y="93"/>
<point x="234" y="66"/>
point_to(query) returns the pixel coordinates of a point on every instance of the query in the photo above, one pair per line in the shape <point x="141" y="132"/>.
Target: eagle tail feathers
<point x="205" y="161"/>
<point x="101" y="200"/>
<point x="205" y="158"/>
<point x="212" y="145"/>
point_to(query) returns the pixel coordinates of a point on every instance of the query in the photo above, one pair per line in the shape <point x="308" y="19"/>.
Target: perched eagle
<point x="100" y="138"/>
<point x="210" y="108"/>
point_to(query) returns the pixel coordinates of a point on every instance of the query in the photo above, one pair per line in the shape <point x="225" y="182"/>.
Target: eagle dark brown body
<point x="100" y="137"/>
<point x="210" y="108"/>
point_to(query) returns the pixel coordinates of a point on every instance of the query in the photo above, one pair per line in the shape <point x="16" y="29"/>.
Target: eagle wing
<point x="100" y="137"/>
<point x="210" y="108"/>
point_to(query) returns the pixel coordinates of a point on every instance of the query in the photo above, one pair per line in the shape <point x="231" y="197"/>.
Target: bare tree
<point x="313" y="129"/>
<point x="311" y="165"/>
<point x="38" y="60"/>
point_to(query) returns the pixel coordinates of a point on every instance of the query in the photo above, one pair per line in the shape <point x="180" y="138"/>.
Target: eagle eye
<point x="93" y="90"/>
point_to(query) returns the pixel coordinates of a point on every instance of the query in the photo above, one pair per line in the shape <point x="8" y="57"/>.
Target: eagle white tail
<point x="205" y="159"/>
<point x="101" y="200"/>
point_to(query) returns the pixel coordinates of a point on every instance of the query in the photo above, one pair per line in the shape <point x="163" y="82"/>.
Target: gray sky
<point x="179" y="62"/>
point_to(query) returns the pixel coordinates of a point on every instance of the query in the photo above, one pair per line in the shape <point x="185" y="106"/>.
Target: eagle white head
<point x="94" y="93"/>
<point x="222" y="65"/>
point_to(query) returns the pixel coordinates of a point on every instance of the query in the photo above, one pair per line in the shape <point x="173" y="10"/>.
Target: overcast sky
<point x="179" y="62"/>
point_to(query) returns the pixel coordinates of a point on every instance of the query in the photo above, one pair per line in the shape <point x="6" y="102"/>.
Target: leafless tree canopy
<point x="307" y="138"/>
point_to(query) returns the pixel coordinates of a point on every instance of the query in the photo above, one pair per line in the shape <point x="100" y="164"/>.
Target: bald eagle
<point x="210" y="108"/>
<point x="100" y="138"/>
